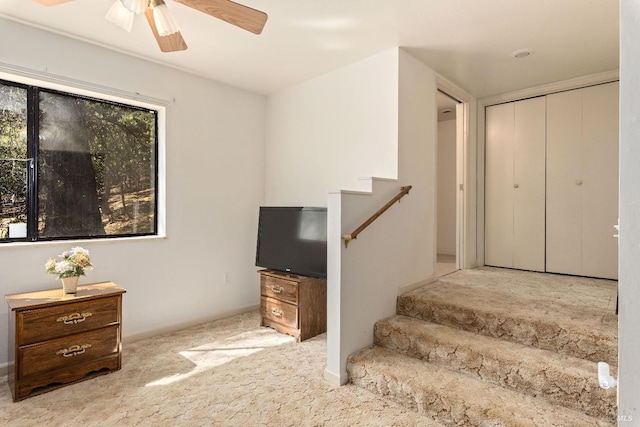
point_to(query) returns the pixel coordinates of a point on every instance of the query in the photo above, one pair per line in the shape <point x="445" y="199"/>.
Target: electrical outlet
<point x="227" y="278"/>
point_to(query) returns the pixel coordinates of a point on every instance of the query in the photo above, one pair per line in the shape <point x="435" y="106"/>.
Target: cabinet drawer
<point x="68" y="351"/>
<point x="279" y="311"/>
<point x="283" y="290"/>
<point x="59" y="321"/>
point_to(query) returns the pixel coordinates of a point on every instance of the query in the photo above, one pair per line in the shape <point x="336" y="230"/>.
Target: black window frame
<point x="33" y="143"/>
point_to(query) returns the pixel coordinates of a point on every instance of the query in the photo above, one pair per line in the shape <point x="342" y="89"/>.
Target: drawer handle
<point x="74" y="350"/>
<point x="277" y="289"/>
<point x="277" y="312"/>
<point x="73" y="318"/>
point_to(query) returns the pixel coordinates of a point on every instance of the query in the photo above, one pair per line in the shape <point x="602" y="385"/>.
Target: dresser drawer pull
<point x="277" y="312"/>
<point x="74" y="350"/>
<point x="73" y="318"/>
<point x="277" y="289"/>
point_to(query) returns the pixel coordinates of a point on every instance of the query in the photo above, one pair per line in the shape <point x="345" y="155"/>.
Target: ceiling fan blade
<point x="234" y="13"/>
<point x="171" y="43"/>
<point x="50" y="2"/>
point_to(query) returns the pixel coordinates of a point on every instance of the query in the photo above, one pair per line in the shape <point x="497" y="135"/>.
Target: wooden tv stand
<point x="293" y="304"/>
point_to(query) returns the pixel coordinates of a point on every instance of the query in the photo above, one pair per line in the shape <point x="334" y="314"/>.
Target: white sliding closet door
<point x="600" y="212"/>
<point x="515" y="185"/>
<point x="529" y="177"/>
<point x="582" y="181"/>
<point x="564" y="178"/>
<point x="500" y="121"/>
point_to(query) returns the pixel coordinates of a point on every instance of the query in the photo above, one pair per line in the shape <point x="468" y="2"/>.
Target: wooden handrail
<point x="354" y="235"/>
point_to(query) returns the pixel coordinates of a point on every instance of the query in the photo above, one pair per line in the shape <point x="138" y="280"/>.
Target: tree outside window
<point x="75" y="167"/>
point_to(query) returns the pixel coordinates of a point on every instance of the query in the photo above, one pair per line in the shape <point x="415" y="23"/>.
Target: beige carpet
<point x="498" y="347"/>
<point x="573" y="315"/>
<point x="226" y="373"/>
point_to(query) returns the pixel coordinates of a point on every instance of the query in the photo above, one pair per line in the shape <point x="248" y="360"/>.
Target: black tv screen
<point x="293" y="240"/>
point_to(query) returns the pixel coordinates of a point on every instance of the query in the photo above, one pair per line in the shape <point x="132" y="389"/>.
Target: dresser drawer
<point x="67" y="351"/>
<point x="278" y="288"/>
<point x="278" y="311"/>
<point x="59" y="321"/>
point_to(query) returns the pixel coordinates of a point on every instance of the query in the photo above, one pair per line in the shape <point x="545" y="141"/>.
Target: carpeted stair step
<point x="558" y="378"/>
<point x="453" y="398"/>
<point x="569" y="315"/>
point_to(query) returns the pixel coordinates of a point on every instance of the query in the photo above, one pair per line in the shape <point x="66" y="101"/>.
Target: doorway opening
<point x="450" y="178"/>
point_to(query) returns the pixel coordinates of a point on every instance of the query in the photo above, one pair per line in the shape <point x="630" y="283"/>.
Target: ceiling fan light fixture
<point x="165" y="23"/>
<point x="135" y="6"/>
<point x="121" y="16"/>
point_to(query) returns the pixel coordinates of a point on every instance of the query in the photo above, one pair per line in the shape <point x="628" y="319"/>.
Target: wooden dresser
<point x="57" y="339"/>
<point x="293" y="304"/>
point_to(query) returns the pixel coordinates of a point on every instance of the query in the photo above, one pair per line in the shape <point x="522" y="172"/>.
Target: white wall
<point x="323" y="134"/>
<point x="214" y="181"/>
<point x="417" y="139"/>
<point x="397" y="249"/>
<point x="629" y="260"/>
<point x="447" y="187"/>
<point x="374" y="118"/>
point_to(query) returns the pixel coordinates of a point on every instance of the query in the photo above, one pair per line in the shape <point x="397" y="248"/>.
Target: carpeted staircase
<point x="498" y="347"/>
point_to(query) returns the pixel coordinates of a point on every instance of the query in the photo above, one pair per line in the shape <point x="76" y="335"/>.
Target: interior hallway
<point x="446" y="264"/>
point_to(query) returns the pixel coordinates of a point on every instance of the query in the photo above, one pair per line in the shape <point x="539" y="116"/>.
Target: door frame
<point x="465" y="173"/>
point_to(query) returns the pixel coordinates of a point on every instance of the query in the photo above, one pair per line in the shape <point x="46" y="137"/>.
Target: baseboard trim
<point x="410" y="287"/>
<point x="5" y="368"/>
<point x="447" y="251"/>
<point x="184" y="325"/>
<point x="334" y="379"/>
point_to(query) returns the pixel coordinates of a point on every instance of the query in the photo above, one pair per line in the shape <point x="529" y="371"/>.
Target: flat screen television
<point x="293" y="240"/>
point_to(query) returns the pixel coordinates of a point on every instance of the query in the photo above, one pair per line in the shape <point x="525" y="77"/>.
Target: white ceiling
<point x="467" y="41"/>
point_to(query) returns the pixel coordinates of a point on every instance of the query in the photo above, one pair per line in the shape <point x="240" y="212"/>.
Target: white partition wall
<point x="363" y="279"/>
<point x="629" y="320"/>
<point x="373" y="118"/>
<point x="398" y="248"/>
<point x="325" y="133"/>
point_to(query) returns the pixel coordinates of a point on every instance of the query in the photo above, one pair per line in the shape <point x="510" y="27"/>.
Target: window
<point x="75" y="167"/>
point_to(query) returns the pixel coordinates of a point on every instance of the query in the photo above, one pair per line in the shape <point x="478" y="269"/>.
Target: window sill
<point x="78" y="241"/>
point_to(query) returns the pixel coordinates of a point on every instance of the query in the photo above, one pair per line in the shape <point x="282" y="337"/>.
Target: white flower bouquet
<point x="72" y="263"/>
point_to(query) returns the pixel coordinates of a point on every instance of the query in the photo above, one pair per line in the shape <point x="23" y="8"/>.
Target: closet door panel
<point x="600" y="183"/>
<point x="564" y="183"/>
<point x="499" y="186"/>
<point x="529" y="185"/>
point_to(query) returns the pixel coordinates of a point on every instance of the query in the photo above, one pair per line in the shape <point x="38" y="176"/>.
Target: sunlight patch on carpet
<point x="217" y="353"/>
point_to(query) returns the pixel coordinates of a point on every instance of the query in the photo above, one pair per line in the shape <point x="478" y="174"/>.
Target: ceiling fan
<point x="164" y="27"/>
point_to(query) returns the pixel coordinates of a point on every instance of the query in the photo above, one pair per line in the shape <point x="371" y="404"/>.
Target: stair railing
<point x="404" y="190"/>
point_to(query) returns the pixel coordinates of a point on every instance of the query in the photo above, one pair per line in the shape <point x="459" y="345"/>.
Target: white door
<point x="500" y="123"/>
<point x="515" y="185"/>
<point x="529" y="185"/>
<point x="600" y="183"/>
<point x="582" y="181"/>
<point x="564" y="180"/>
